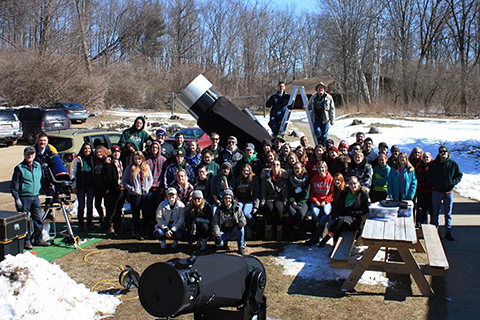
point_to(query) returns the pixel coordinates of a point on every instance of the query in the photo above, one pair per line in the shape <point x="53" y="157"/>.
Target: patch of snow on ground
<point x="311" y="262"/>
<point x="33" y="288"/>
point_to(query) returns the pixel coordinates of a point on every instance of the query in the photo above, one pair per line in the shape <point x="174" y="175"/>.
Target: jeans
<point x="90" y="193"/>
<point x="235" y="234"/>
<point x="32" y="205"/>
<point x="159" y="234"/>
<point x="447" y="199"/>
<point x="321" y="132"/>
<point x="247" y="208"/>
<point x="319" y="212"/>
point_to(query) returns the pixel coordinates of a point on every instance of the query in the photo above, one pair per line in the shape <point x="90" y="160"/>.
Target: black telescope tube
<point x="217" y="114"/>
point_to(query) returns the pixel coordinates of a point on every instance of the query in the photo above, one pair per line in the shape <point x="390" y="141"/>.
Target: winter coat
<point x="380" y="177"/>
<point x="216" y="186"/>
<point x="156" y="165"/>
<point x="26" y="180"/>
<point x="82" y="172"/>
<point x="321" y="189"/>
<point x="171" y="172"/>
<point x="138" y="136"/>
<point x="233" y="157"/>
<point x="204" y="186"/>
<point x="195" y="216"/>
<point x="409" y="185"/>
<point x="278" y="102"/>
<point x="322" y="106"/>
<point x="170" y="218"/>
<point x="443" y="176"/>
<point x="356" y="211"/>
<point x="134" y="185"/>
<point x="184" y="194"/>
<point x="423" y="185"/>
<point x="225" y="219"/>
<point x="111" y="176"/>
<point x="363" y="171"/>
<point x="298" y="189"/>
<point x="371" y="157"/>
<point x="248" y="192"/>
<point x="254" y="162"/>
<point x="193" y="161"/>
<point x="273" y="190"/>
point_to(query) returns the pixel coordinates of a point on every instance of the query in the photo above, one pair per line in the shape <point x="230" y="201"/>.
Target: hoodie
<point x="138" y="136"/>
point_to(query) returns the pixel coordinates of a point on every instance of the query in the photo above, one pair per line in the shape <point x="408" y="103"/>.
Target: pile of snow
<point x="32" y="288"/>
<point x="313" y="263"/>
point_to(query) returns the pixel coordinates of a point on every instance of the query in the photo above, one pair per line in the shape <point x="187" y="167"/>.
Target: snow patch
<point x="311" y="262"/>
<point x="33" y="288"/>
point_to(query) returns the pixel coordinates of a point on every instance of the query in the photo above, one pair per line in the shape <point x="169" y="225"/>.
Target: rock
<point x="294" y="134"/>
<point x="174" y="117"/>
<point x="356" y="122"/>
<point x="374" y="130"/>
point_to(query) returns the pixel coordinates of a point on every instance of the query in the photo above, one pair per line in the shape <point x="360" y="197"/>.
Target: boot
<point x="279" y="233"/>
<point x="204" y="245"/>
<point x="324" y="240"/>
<point x="110" y="229"/>
<point x="268" y="232"/>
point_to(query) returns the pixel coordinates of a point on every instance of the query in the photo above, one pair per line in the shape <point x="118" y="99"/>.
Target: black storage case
<point x="13" y="230"/>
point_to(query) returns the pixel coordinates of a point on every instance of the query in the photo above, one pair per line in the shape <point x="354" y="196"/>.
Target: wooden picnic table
<point x="398" y="234"/>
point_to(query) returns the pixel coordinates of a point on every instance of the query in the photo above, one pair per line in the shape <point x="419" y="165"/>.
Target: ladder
<point x="291" y="102"/>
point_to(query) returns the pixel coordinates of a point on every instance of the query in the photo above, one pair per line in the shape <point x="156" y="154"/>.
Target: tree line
<point x="419" y="55"/>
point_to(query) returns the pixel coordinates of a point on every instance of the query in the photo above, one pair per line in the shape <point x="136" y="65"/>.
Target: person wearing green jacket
<point x="381" y="171"/>
<point x="136" y="133"/>
<point x="443" y="174"/>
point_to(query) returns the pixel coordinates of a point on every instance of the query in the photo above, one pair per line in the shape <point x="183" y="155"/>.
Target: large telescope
<point x="203" y="286"/>
<point x="217" y="114"/>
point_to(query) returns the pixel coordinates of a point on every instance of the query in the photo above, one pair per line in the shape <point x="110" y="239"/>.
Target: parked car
<point x="68" y="142"/>
<point x="190" y="134"/>
<point x="35" y="120"/>
<point x="75" y="112"/>
<point x="10" y="127"/>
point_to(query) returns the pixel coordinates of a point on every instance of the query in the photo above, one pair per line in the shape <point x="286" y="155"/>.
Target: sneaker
<point x="42" y="244"/>
<point x="163" y="244"/>
<point x="28" y="245"/>
<point x="241" y="250"/>
<point x="449" y="237"/>
<point x="175" y="243"/>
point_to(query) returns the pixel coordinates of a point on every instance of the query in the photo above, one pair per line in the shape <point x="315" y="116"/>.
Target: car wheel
<point x="31" y="137"/>
<point x="11" y="143"/>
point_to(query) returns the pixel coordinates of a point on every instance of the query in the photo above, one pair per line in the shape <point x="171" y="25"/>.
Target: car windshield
<point x="7" y="115"/>
<point x="72" y="106"/>
<point x="190" y="133"/>
<point x="61" y="144"/>
<point x="55" y="115"/>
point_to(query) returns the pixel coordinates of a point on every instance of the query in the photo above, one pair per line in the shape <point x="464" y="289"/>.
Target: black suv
<point x="35" y="120"/>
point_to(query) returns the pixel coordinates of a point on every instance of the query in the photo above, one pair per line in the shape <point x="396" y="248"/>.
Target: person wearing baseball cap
<point x="199" y="219"/>
<point x="167" y="148"/>
<point x="25" y="187"/>
<point x="170" y="218"/>
<point x="178" y="163"/>
<point x="231" y="153"/>
<point x="250" y="157"/>
<point x="229" y="223"/>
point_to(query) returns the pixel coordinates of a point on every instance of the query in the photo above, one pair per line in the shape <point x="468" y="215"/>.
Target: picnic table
<point x="398" y="234"/>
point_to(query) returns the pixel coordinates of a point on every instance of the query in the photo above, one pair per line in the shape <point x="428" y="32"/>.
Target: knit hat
<point x="343" y="144"/>
<point x="382" y="145"/>
<point x="278" y="138"/>
<point x="197" y="194"/>
<point x="227" y="192"/>
<point x="115" y="148"/>
<point x="232" y="138"/>
<point x="333" y="148"/>
<point x="227" y="164"/>
<point x="267" y="142"/>
<point x="329" y="141"/>
<point x="395" y="148"/>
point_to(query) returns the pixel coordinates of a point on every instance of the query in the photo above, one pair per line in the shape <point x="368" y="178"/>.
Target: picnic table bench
<point x="398" y="234"/>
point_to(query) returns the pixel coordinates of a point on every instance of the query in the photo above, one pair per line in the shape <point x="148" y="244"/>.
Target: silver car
<point x="10" y="127"/>
<point x="75" y="112"/>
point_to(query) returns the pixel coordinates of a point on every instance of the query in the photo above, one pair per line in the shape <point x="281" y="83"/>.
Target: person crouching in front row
<point x="170" y="218"/>
<point x="229" y="222"/>
<point x="198" y="220"/>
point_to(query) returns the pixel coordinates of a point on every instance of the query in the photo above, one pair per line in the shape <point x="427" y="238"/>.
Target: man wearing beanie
<point x="443" y="174"/>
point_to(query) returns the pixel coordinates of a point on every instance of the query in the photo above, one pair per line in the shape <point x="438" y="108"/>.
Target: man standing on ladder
<point x="278" y="102"/>
<point x="323" y="111"/>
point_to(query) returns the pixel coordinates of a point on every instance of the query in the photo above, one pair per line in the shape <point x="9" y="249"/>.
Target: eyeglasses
<point x="443" y="151"/>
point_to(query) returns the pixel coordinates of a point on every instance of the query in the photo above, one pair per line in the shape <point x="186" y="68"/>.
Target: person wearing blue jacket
<point x="381" y="171"/>
<point x="401" y="182"/>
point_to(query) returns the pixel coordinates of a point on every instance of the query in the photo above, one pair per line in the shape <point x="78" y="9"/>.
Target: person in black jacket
<point x="112" y="178"/>
<point x="443" y="174"/>
<point x="278" y="103"/>
<point x="198" y="220"/>
<point x="349" y="210"/>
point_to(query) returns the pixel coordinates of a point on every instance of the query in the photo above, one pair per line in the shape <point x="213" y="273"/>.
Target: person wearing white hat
<point x="170" y="219"/>
<point x="199" y="219"/>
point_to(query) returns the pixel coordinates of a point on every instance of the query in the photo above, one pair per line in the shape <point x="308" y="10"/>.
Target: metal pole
<point x="173" y="101"/>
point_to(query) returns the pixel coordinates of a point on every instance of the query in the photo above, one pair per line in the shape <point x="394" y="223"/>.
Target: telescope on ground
<point x="203" y="286"/>
<point x="215" y="113"/>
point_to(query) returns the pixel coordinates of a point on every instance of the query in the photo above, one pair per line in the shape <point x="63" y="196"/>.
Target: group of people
<point x="181" y="193"/>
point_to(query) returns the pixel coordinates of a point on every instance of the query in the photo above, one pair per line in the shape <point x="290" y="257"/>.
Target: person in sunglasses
<point x="443" y="174"/>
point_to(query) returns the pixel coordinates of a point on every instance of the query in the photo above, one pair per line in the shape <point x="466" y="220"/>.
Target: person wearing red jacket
<point x="321" y="197"/>
<point x="424" y="190"/>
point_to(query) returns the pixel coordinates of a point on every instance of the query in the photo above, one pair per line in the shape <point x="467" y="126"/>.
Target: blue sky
<point x="308" y="5"/>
